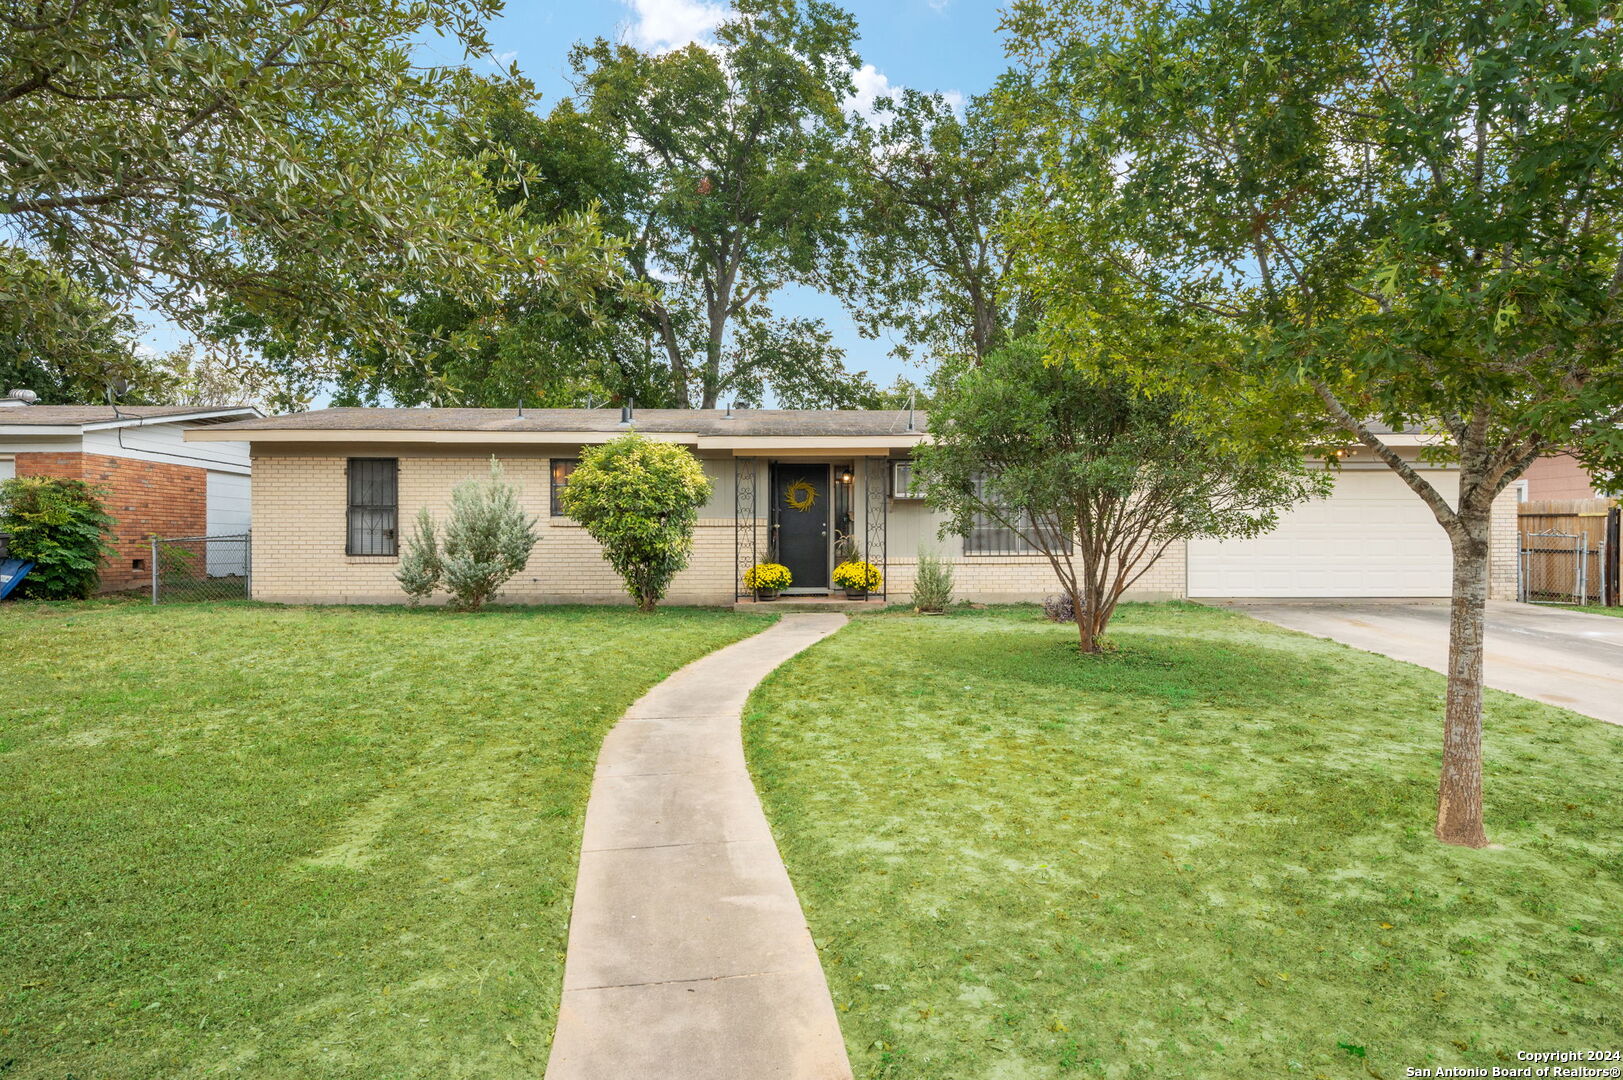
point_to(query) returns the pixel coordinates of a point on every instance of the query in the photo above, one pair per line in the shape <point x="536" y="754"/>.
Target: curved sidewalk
<point x="689" y="957"/>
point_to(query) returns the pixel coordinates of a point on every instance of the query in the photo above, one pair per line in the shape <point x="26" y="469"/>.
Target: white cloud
<point x="939" y="6"/>
<point x="504" y="60"/>
<point x="873" y="84"/>
<point x="663" y="25"/>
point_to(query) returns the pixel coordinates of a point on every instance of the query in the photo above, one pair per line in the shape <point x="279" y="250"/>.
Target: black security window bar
<point x="374" y="506"/>
<point x="989" y="536"/>
<point x="562" y="468"/>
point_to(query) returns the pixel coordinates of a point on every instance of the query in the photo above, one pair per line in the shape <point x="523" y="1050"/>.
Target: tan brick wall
<point x="146" y="498"/>
<point x="299" y="513"/>
<point x="1012" y="579"/>
<point x="1503" y="544"/>
<point x="299" y="539"/>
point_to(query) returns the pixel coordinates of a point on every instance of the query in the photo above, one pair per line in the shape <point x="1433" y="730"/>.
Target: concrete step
<point x="811" y="603"/>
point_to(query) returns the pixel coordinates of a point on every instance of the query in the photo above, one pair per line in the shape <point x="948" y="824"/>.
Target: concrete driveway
<point x="1565" y="658"/>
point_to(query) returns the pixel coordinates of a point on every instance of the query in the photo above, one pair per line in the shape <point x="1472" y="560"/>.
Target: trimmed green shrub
<point x="640" y="500"/>
<point x="488" y="539"/>
<point x="61" y="526"/>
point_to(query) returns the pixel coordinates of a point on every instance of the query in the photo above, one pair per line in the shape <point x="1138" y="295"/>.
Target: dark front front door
<point x="800" y="505"/>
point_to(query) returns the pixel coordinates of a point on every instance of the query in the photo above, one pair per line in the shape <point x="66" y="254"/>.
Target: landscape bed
<point x="1208" y="854"/>
<point x="305" y="842"/>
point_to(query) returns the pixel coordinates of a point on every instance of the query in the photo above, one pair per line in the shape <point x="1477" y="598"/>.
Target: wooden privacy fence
<point x="1568" y="552"/>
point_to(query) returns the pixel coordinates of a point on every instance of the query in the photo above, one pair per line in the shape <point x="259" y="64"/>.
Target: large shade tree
<point x="1410" y="207"/>
<point x="928" y="258"/>
<point x="290" y="163"/>
<point x="733" y="190"/>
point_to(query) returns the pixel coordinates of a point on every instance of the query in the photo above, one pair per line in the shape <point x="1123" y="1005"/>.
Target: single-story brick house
<point x="156" y="484"/>
<point x="334" y="488"/>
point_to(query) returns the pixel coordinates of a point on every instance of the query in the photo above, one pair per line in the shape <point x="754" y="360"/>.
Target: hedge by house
<point x="640" y="499"/>
<point x="61" y="526"/>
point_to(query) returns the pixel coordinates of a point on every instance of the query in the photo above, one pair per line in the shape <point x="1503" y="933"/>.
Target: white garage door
<point x="1372" y="537"/>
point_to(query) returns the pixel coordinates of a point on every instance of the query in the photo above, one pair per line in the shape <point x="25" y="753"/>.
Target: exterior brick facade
<point x="300" y="532"/>
<point x="146" y="498"/>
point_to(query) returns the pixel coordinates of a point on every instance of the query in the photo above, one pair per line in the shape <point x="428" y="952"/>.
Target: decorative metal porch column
<point x="876" y="516"/>
<point x="746" y="534"/>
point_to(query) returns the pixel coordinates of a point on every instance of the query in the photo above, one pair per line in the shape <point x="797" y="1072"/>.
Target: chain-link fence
<point x="1559" y="568"/>
<point x="193" y="568"/>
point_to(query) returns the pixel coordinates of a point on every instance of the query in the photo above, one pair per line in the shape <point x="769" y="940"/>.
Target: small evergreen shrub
<point x="60" y="526"/>
<point x="640" y="499"/>
<point x="488" y="539"/>
<point x="420" y="568"/>
<point x="932" y="584"/>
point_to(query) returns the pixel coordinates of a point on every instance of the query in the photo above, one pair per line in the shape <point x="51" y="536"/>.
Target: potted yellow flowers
<point x="858" y="578"/>
<point x="766" y="580"/>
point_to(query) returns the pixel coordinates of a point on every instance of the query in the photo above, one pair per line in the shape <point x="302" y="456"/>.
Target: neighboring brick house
<point x="334" y="488"/>
<point x="1560" y="476"/>
<point x="154" y="483"/>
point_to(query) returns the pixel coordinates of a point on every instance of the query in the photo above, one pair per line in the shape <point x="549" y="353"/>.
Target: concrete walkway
<point x="689" y="958"/>
<point x="1567" y="658"/>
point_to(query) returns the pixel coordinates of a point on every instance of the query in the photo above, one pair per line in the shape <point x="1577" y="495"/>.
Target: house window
<point x="989" y="536"/>
<point x="374" y="508"/>
<point x="561" y="470"/>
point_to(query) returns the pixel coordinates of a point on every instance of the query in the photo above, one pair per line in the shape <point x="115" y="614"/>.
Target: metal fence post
<point x="154" y="565"/>
<point x="248" y="562"/>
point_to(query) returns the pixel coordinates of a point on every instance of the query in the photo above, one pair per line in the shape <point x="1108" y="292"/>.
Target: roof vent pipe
<point x="628" y="410"/>
<point x="729" y="415"/>
<point x="17" y="398"/>
<point x="911" y="397"/>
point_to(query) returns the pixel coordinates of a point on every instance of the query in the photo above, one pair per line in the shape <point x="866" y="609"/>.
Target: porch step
<point x="811" y="603"/>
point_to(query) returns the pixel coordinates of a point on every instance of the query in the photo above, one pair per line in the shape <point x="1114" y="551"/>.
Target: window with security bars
<point x="989" y="536"/>
<point x="374" y="506"/>
<point x="562" y="469"/>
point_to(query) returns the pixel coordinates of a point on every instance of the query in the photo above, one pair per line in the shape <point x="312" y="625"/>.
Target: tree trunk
<point x="1459" y="790"/>
<point x="1083" y="607"/>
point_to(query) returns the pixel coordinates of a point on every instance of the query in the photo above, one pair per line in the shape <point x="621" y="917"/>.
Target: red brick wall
<point x="146" y="498"/>
<point x="1558" y="477"/>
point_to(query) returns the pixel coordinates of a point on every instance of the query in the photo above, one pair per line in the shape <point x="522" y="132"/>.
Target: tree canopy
<point x="289" y="164"/>
<point x="929" y="258"/>
<point x="732" y="189"/>
<point x="1095" y="473"/>
<point x="1410" y="208"/>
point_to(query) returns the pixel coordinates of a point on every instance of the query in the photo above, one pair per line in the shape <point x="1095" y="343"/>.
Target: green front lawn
<point x="1207" y="855"/>
<point x="1595" y="609"/>
<point x="283" y="842"/>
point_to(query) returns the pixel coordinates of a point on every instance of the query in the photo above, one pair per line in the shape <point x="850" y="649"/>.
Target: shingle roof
<point x="776" y="422"/>
<point x="71" y="415"/>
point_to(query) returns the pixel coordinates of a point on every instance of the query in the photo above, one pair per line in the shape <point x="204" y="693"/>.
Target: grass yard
<point x="285" y="842"/>
<point x="1595" y="609"/>
<point x="1206" y="855"/>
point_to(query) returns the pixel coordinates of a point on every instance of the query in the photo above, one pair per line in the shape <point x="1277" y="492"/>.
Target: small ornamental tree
<point x="1097" y="475"/>
<point x="640" y="499"/>
<point x="488" y="539"/>
<point x="61" y="527"/>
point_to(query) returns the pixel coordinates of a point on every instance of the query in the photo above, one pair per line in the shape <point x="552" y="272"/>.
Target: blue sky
<point x="945" y="45"/>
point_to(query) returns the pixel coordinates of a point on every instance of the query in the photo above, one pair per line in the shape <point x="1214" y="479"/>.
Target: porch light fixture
<point x="845" y="476"/>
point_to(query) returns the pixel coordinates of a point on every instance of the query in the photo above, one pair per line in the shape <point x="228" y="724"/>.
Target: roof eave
<point x="246" y="412"/>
